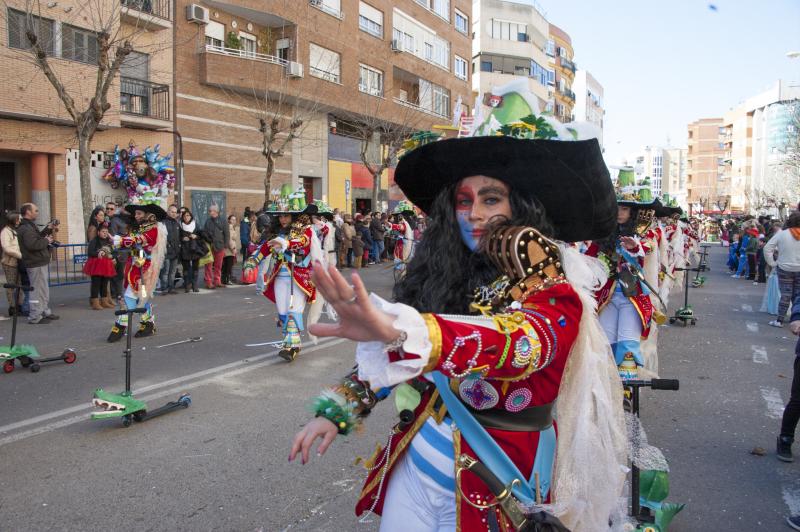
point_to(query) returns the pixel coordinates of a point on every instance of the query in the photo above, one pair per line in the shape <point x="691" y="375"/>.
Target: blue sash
<point x="492" y="456"/>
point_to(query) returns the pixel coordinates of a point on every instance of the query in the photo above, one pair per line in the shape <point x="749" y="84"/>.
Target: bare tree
<point x="114" y="43"/>
<point x="381" y="139"/>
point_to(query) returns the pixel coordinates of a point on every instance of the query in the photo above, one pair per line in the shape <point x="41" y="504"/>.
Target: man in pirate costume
<point x="494" y="323"/>
<point x="625" y="307"/>
<point x="147" y="244"/>
<point x="289" y="250"/>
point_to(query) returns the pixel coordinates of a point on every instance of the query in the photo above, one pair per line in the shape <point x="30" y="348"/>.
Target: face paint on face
<point x="479" y="199"/>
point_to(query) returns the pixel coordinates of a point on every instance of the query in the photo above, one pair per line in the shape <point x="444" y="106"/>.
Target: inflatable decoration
<point x="147" y="177"/>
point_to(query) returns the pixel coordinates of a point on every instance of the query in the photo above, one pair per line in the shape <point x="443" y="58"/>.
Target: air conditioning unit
<point x="315" y="3"/>
<point x="196" y="14"/>
<point x="396" y="46"/>
<point x="295" y="70"/>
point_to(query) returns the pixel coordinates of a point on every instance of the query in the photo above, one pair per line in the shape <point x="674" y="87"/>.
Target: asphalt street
<point x="222" y="463"/>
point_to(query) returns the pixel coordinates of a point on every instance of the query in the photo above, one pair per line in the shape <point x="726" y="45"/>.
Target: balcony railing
<point x="245" y="54"/>
<point x="157" y="8"/>
<point x="569" y="65"/>
<point x="144" y="98"/>
<point x="567" y="93"/>
<point x="419" y="108"/>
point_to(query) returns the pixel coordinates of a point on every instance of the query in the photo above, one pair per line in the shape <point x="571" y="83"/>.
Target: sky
<point x="666" y="63"/>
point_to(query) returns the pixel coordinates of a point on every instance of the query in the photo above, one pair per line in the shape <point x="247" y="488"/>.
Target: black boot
<point x="784" y="449"/>
<point x="146" y="328"/>
<point x="117" y="332"/>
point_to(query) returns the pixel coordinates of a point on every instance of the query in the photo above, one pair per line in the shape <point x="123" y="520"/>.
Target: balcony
<point x="567" y="93"/>
<point x="569" y="65"/>
<point x="419" y="108"/>
<point x="244" y="71"/>
<point x="147" y="104"/>
<point x="153" y="15"/>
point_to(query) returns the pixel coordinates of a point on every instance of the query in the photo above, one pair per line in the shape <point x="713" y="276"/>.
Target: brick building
<point x="38" y="157"/>
<point x="705" y="166"/>
<point x="403" y="61"/>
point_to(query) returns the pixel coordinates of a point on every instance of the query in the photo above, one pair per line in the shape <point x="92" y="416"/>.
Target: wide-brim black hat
<point x="665" y="210"/>
<point x="148" y="208"/>
<point x="569" y="178"/>
<point x="310" y="209"/>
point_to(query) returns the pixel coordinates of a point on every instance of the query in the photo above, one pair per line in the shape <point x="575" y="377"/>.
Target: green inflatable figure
<point x="654" y="488"/>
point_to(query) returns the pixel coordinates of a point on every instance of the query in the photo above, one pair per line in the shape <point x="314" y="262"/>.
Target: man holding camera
<point x="35" y="247"/>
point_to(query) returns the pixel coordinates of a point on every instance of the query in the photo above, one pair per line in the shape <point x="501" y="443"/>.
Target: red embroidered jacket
<point x="139" y="261"/>
<point x="300" y="247"/>
<point x="504" y="352"/>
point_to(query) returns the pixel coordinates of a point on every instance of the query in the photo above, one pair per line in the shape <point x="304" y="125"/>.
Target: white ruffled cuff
<point x="373" y="361"/>
<point x="283" y="242"/>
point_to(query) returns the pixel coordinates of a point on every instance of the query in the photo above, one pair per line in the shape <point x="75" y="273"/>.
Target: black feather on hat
<point x="569" y="178"/>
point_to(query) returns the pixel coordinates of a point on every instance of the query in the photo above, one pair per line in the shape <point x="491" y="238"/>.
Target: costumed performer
<point x="625" y="307"/>
<point x="326" y="234"/>
<point x="147" y="243"/>
<point x="403" y="224"/>
<point x="289" y="250"/>
<point x="494" y="325"/>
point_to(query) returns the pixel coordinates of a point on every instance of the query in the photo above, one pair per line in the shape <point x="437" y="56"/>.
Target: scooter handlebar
<point x="141" y="310"/>
<point x="665" y="384"/>
<point x="23" y="287"/>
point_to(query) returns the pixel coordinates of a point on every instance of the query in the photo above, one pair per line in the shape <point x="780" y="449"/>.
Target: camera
<point x="51" y="229"/>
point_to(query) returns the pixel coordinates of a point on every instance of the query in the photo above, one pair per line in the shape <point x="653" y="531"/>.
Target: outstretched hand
<point x="359" y="319"/>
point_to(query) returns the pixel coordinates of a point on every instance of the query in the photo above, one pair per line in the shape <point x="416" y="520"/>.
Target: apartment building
<point x="510" y="40"/>
<point x="756" y="134"/>
<point x="705" y="156"/>
<point x="675" y="169"/>
<point x="559" y="48"/>
<point x="327" y="61"/>
<point x="38" y="147"/>
<point x="649" y="162"/>
<point x="589" y="100"/>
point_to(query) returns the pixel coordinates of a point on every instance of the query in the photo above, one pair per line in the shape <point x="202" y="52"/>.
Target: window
<point x="215" y="34"/>
<point x="509" y="31"/>
<point x="78" y="44"/>
<point x="462" y="22"/>
<point x="324" y="63"/>
<point x="522" y="71"/>
<point x="441" y="100"/>
<point x="442" y="8"/>
<point x="551" y="77"/>
<point x="404" y="40"/>
<point x="539" y="73"/>
<point x="136" y="65"/>
<point x="428" y="51"/>
<point x="408" y="33"/>
<point x="562" y="52"/>
<point x="370" y="80"/>
<point x="486" y="66"/>
<point x="551" y="48"/>
<point x="43" y="28"/>
<point x="331" y="7"/>
<point x="249" y="43"/>
<point x="370" y="19"/>
<point x="460" y="68"/>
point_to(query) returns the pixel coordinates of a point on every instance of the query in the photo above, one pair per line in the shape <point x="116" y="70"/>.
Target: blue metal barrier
<point x="66" y="265"/>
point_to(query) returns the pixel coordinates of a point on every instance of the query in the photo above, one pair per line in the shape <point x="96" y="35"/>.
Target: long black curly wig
<point x="444" y="273"/>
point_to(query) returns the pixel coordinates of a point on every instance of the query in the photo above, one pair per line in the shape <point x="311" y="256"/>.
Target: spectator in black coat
<point x="172" y="253"/>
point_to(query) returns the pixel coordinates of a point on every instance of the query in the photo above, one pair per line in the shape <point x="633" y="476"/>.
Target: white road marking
<point x="774" y="402"/>
<point x="225" y="370"/>
<point x="759" y="354"/>
<point x="747" y="308"/>
<point x="752" y="326"/>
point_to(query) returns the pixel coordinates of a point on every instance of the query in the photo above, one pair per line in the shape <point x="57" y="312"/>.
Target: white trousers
<point x="416" y="503"/>
<point x="620" y="320"/>
<point x="284" y="299"/>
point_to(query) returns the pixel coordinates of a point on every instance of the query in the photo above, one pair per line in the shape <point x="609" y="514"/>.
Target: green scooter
<point x="27" y="354"/>
<point x="124" y="405"/>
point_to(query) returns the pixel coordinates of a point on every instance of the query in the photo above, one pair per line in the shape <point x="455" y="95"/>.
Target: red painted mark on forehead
<point x="464" y="192"/>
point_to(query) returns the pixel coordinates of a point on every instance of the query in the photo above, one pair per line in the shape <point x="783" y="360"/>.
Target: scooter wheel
<point x="25" y="361"/>
<point x="672" y="321"/>
<point x="185" y="400"/>
<point x="69" y="356"/>
<point x="35" y="368"/>
<point x="139" y="416"/>
<point x="126" y="421"/>
<point x="694" y="322"/>
<point x="8" y="366"/>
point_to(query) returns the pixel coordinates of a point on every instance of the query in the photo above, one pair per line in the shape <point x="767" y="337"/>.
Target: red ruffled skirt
<point x="103" y="267"/>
